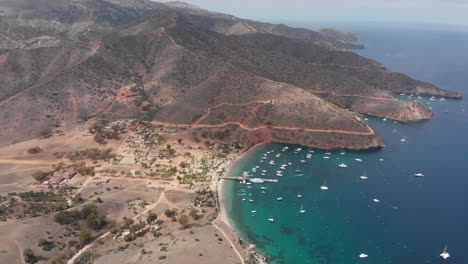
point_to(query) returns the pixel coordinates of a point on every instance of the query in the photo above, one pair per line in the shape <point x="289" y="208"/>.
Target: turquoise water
<point x="415" y="218"/>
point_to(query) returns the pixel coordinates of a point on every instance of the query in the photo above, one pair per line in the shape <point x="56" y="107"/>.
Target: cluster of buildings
<point x="57" y="179"/>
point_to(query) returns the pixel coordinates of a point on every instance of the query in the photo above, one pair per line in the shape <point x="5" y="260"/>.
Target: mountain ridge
<point x="139" y="59"/>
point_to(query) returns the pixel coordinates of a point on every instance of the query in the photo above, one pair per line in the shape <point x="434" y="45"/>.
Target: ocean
<point x="393" y="216"/>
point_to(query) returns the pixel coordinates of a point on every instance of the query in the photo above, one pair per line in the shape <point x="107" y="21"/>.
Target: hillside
<point x="66" y="62"/>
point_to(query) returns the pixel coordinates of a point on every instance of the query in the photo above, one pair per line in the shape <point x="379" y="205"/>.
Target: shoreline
<point x="223" y="218"/>
<point x="221" y="186"/>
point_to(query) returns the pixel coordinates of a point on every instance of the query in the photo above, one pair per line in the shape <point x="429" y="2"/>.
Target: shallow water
<point x="415" y="218"/>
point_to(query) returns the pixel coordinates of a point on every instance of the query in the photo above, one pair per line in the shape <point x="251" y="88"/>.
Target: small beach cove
<point x="391" y="215"/>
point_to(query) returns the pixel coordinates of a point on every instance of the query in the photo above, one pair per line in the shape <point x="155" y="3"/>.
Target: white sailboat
<point x="363" y="176"/>
<point x="358" y="160"/>
<point x="363" y="255"/>
<point x="445" y="254"/>
<point x="419" y="175"/>
<point x="302" y="209"/>
<point x="342" y="165"/>
<point x="324" y="187"/>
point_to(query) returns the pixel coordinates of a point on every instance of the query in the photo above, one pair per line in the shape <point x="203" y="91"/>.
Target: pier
<point x="245" y="178"/>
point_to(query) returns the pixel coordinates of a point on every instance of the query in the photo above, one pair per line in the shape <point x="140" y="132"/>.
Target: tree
<point x="151" y="217"/>
<point x="67" y="217"/>
<point x="169" y="212"/>
<point x="34" y="150"/>
<point x="96" y="221"/>
<point x="58" y="259"/>
<point x="136" y="227"/>
<point x="29" y="256"/>
<point x="40" y="176"/>
<point x="128" y="238"/>
<point x="127" y="222"/>
<point x="45" y="244"/>
<point x="100" y="139"/>
<point x="183" y="221"/>
<point x="194" y="213"/>
<point x="85" y="236"/>
<point x="179" y="140"/>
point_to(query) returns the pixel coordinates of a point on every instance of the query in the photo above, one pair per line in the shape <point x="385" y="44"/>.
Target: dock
<point x="244" y="178"/>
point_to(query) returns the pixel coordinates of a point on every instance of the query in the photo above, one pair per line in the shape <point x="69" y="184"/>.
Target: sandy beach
<point x="223" y="222"/>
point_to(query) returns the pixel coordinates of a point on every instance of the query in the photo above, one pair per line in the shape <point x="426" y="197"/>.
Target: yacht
<point x="251" y="200"/>
<point x="257" y="180"/>
<point x="445" y="254"/>
<point x="403" y="139"/>
<point x="279" y="199"/>
<point x="302" y="161"/>
<point x="263" y="188"/>
<point x="419" y="175"/>
<point x="328" y="153"/>
<point x="253" y="212"/>
<point x="326" y="157"/>
<point x="342" y="153"/>
<point x="302" y="209"/>
<point x="384" y="119"/>
<point x="363" y="255"/>
<point x="359" y="160"/>
<point x="442" y="99"/>
<point x="342" y="165"/>
<point x="299" y="195"/>
<point x="381" y="159"/>
<point x="376" y="200"/>
<point x="271" y="220"/>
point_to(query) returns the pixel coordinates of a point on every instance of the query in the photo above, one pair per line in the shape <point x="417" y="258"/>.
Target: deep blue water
<point x="415" y="218"/>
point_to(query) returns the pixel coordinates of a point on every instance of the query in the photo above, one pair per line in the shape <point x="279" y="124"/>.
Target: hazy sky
<point x="424" y="11"/>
